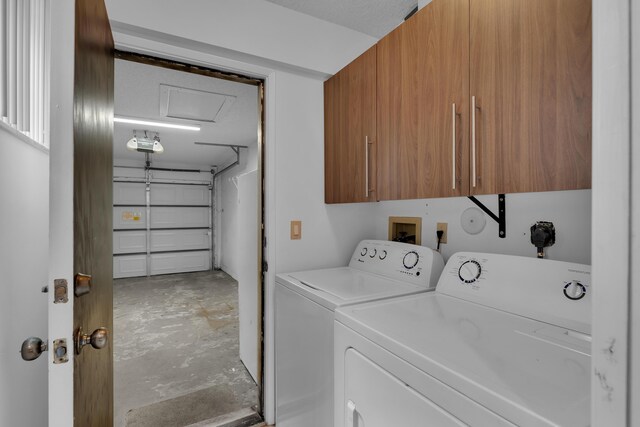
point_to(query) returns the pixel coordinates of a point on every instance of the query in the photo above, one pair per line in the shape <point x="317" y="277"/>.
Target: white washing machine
<point x="305" y="302"/>
<point x="503" y="341"/>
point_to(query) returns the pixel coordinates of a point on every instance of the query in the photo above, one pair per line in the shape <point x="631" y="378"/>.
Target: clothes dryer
<point x="503" y="341"/>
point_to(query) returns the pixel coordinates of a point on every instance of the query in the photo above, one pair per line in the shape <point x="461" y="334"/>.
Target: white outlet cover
<point x="473" y="220"/>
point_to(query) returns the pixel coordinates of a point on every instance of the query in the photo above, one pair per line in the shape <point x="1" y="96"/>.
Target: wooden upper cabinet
<point x="350" y="131"/>
<point x="530" y="70"/>
<point x="423" y="108"/>
<point x="466" y="97"/>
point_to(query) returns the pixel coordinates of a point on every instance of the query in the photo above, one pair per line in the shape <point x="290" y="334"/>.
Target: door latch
<point x="60" y="351"/>
<point x="82" y="284"/>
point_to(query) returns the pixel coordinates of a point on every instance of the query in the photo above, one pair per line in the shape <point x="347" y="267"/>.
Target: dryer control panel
<point x="415" y="264"/>
<point x="551" y="291"/>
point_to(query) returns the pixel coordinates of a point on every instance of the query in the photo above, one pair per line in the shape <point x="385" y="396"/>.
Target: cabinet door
<point x="531" y="79"/>
<point x="350" y="130"/>
<point x="423" y="71"/>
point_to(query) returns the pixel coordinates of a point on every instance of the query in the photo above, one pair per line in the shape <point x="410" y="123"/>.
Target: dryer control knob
<point x="469" y="271"/>
<point x="574" y="290"/>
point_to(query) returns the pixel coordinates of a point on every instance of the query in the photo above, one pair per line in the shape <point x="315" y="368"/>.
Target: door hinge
<point x="265" y="266"/>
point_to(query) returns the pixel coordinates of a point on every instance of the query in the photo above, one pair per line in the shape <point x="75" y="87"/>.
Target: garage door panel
<point x="129" y="193"/>
<point x="195" y="195"/>
<point x="179" y="217"/>
<point x="176" y="262"/>
<point x="135" y="241"/>
<point x="179" y="240"/>
<point x="129" y="266"/>
<point x="129" y="217"/>
<point x="179" y="235"/>
<point x="128" y="242"/>
<point x="168" y="194"/>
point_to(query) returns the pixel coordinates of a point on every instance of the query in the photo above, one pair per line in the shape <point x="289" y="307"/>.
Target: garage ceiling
<point x="373" y="17"/>
<point x="155" y="93"/>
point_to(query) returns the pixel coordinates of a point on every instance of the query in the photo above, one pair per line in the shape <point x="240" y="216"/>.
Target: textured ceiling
<point x="373" y="17"/>
<point x="137" y="94"/>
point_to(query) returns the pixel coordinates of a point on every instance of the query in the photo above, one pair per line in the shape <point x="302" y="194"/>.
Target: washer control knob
<point x="383" y="254"/>
<point x="363" y="252"/>
<point x="574" y="290"/>
<point x="470" y="271"/>
<point x="410" y="260"/>
<point x="373" y="253"/>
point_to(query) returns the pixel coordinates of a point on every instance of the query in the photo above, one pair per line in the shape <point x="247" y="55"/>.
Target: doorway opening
<point x="188" y="221"/>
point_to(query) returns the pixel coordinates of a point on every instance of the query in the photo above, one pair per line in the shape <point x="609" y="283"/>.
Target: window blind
<point x="23" y="62"/>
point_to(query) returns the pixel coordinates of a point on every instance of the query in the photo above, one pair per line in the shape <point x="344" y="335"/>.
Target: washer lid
<point x="529" y="372"/>
<point x="335" y="287"/>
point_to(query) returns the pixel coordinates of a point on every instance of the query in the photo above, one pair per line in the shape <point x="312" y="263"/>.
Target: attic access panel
<point x="192" y="104"/>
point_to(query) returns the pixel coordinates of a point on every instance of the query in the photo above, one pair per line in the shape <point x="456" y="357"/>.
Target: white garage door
<point x="169" y="234"/>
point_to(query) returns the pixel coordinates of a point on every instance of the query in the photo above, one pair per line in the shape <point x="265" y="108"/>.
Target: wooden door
<point x="92" y="211"/>
<point x="531" y="78"/>
<point x="350" y="131"/>
<point x="423" y="72"/>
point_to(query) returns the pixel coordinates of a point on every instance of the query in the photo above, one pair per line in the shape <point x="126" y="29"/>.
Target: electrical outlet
<point x="442" y="226"/>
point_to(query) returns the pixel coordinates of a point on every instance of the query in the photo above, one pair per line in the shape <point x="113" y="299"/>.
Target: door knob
<point x="98" y="339"/>
<point x="32" y="348"/>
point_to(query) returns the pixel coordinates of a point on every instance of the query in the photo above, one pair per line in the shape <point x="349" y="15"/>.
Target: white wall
<point x="252" y="27"/>
<point x="228" y="249"/>
<point x="329" y="232"/>
<point x="570" y="212"/>
<point x="423" y="3"/>
<point x="24" y="233"/>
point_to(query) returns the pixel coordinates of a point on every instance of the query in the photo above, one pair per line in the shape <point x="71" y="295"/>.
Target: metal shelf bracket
<point x="501" y="218"/>
<point x="236" y="149"/>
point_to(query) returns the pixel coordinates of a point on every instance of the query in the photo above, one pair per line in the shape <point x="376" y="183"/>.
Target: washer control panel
<point x="552" y="291"/>
<point x="400" y="261"/>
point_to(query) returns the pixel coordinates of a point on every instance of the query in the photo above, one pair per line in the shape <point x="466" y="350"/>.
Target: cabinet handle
<point x="352" y="414"/>
<point x="453" y="146"/>
<point x="473" y="141"/>
<point x="367" y="190"/>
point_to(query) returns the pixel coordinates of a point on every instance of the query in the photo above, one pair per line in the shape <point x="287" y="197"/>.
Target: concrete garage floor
<point x="176" y="350"/>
